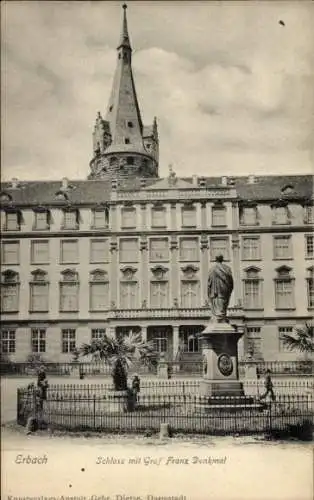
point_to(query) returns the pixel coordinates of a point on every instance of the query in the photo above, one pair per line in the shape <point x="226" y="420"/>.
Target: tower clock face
<point x="225" y="365"/>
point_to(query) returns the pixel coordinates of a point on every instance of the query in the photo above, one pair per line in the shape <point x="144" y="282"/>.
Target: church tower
<point x="122" y="146"/>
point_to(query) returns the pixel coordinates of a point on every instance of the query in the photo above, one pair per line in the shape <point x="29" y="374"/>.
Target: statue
<point x="220" y="286"/>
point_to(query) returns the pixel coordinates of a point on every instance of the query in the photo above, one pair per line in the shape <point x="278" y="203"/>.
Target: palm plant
<point x="120" y="352"/>
<point x="302" y="340"/>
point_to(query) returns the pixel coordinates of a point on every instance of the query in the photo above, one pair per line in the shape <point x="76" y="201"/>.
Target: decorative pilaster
<point x="204" y="268"/>
<point x="236" y="269"/>
<point x="114" y="273"/>
<point x="203" y="215"/>
<point x="173" y="216"/>
<point x="144" y="280"/>
<point x="174" y="281"/>
<point x="143" y="215"/>
<point x="113" y="217"/>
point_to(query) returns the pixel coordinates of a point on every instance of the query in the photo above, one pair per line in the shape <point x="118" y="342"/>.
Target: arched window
<point x="284" y="289"/>
<point x="69" y="291"/>
<point x="39" y="291"/>
<point x="252" y="289"/>
<point x="10" y="287"/>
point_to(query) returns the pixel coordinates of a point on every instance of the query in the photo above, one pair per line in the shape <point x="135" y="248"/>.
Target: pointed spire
<point x="124" y="38"/>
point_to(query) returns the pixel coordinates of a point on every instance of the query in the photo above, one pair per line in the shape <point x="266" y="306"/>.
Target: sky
<point x="231" y="84"/>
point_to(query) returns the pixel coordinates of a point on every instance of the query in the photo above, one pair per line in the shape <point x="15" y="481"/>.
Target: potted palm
<point x="120" y="353"/>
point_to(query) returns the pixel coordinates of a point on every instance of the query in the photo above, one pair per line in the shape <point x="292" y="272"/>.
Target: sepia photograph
<point x="157" y="250"/>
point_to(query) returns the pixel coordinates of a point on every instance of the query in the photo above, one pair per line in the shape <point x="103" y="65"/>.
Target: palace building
<point x="127" y="250"/>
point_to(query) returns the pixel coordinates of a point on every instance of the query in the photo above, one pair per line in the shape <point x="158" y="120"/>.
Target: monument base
<point x="226" y="388"/>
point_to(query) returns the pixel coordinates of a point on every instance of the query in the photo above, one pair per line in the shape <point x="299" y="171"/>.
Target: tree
<point x="120" y="352"/>
<point x="302" y="340"/>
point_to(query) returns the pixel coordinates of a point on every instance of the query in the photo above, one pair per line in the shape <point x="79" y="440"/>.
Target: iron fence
<point x="177" y="368"/>
<point x="101" y="409"/>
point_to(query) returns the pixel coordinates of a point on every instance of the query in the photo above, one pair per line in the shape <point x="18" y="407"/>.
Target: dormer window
<point x="70" y="219"/>
<point x="126" y="140"/>
<point x="12" y="220"/>
<point x="280" y="214"/>
<point x="130" y="124"/>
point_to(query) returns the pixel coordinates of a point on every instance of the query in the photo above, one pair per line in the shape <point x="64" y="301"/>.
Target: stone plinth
<point x="219" y="342"/>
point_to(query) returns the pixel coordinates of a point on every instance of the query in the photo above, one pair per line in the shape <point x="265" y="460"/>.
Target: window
<point x="69" y="252"/>
<point x="309" y="246"/>
<point x="12" y="221"/>
<point x="39" y="292"/>
<point x="99" y="251"/>
<point x="219" y="246"/>
<point x="161" y="342"/>
<point x="190" y="294"/>
<point x="130" y="160"/>
<point x="40" y="252"/>
<point x="158" y="217"/>
<point x="284" y="330"/>
<point x="252" y="290"/>
<point x="309" y="214"/>
<point x="99" y="291"/>
<point x="97" y="333"/>
<point x="188" y="215"/>
<point x="310" y="288"/>
<point x="159" y="294"/>
<point x="10" y="252"/>
<point x="100" y="218"/>
<point x="251" y="248"/>
<point x="248" y="216"/>
<point x="254" y="341"/>
<point x="282" y="247"/>
<point x="128" y="218"/>
<point x="158" y="250"/>
<point x="38" y="340"/>
<point x="189" y="249"/>
<point x="10" y="288"/>
<point x="68" y="340"/>
<point x="70" y="219"/>
<point x="128" y="250"/>
<point x="69" y="291"/>
<point x="280" y="215"/>
<point x="128" y="295"/>
<point x="130" y="124"/>
<point x="41" y="220"/>
<point x="218" y="216"/>
<point x="8" y="341"/>
<point x="284" y="289"/>
<point x="126" y="140"/>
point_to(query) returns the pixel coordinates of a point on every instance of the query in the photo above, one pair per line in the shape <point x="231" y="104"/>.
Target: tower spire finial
<point x="124" y="38"/>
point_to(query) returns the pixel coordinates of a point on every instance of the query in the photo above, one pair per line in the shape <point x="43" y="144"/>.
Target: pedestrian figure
<point x="42" y="384"/>
<point x="136" y="386"/>
<point x="268" y="387"/>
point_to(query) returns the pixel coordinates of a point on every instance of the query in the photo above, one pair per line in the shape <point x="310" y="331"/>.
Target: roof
<point x="98" y="191"/>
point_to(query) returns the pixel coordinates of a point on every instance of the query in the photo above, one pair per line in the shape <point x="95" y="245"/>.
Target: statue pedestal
<point x="220" y="387"/>
<point x="219" y="342"/>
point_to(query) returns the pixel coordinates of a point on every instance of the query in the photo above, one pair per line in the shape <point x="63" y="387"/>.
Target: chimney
<point x="143" y="183"/>
<point x="202" y="182"/>
<point x="65" y="183"/>
<point x="194" y="180"/>
<point x="14" y="183"/>
<point x="231" y="181"/>
<point x="251" y="179"/>
<point x="224" y="181"/>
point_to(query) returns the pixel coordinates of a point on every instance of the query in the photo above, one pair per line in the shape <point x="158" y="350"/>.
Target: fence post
<point x="94" y="410"/>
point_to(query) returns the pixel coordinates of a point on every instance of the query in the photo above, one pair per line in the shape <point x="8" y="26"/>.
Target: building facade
<point x="127" y="250"/>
